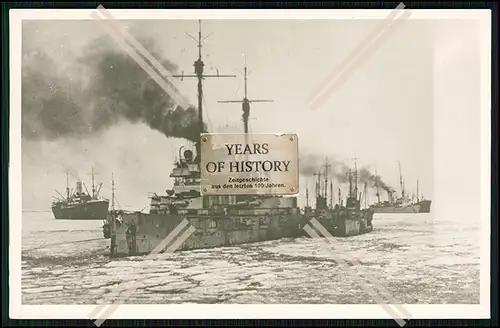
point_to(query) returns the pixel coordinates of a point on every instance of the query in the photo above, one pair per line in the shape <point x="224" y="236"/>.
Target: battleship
<point x="340" y="220"/>
<point x="79" y="204"/>
<point x="218" y="220"/>
<point x="402" y="203"/>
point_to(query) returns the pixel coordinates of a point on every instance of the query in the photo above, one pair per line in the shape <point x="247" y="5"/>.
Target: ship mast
<point x="418" y="197"/>
<point x="326" y="166"/>
<point x="307" y="196"/>
<point x="318" y="184"/>
<point x="245" y="103"/>
<point x="331" y="194"/>
<point x="349" y="174"/>
<point x="93" y="184"/>
<point x="67" y="186"/>
<point x="198" y="70"/>
<point x="356" y="176"/>
<point x="401" y="180"/>
<point x="112" y="192"/>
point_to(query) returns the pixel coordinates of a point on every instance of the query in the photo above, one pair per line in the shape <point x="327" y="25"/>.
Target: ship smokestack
<point x="79" y="188"/>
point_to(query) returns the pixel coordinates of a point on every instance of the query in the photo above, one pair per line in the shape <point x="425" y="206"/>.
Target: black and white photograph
<point x="385" y="203"/>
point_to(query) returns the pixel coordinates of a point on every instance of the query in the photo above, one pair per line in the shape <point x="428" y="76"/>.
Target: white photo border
<point x="243" y="311"/>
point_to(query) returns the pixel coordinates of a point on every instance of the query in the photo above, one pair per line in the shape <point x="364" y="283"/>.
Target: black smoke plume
<point x="373" y="180"/>
<point x="101" y="88"/>
<point x="312" y="163"/>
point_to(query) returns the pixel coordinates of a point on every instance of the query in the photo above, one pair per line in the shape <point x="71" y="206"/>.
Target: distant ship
<point x="80" y="205"/>
<point x="340" y="220"/>
<point x="403" y="203"/>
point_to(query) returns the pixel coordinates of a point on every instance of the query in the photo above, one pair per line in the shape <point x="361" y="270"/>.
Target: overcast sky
<point x="384" y="112"/>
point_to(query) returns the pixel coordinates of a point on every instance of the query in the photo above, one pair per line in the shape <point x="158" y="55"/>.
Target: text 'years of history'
<point x="244" y="164"/>
<point x="248" y="166"/>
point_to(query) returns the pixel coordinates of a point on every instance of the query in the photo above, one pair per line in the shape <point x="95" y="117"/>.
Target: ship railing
<point x="221" y="211"/>
<point x="98" y="200"/>
<point x="186" y="183"/>
<point x="185" y="172"/>
<point x="185" y="189"/>
<point x="262" y="211"/>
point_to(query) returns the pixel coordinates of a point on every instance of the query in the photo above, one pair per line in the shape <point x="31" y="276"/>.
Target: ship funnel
<point x="79" y="188"/>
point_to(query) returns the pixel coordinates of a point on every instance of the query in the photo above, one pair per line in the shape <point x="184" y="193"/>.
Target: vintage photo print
<point x="249" y="164"/>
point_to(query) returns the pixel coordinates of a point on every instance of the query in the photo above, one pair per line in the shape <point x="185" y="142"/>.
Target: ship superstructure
<point x="341" y="219"/>
<point x="218" y="220"/>
<point x="79" y="204"/>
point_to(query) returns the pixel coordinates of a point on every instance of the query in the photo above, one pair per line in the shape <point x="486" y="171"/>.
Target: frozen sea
<point x="416" y="258"/>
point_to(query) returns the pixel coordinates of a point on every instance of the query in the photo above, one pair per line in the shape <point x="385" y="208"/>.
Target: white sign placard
<point x="249" y="164"/>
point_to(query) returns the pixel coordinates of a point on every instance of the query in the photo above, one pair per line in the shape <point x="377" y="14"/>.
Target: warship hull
<point x="141" y="233"/>
<point x="95" y="210"/>
<point x="394" y="209"/>
<point x="340" y="224"/>
<point x="425" y="206"/>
